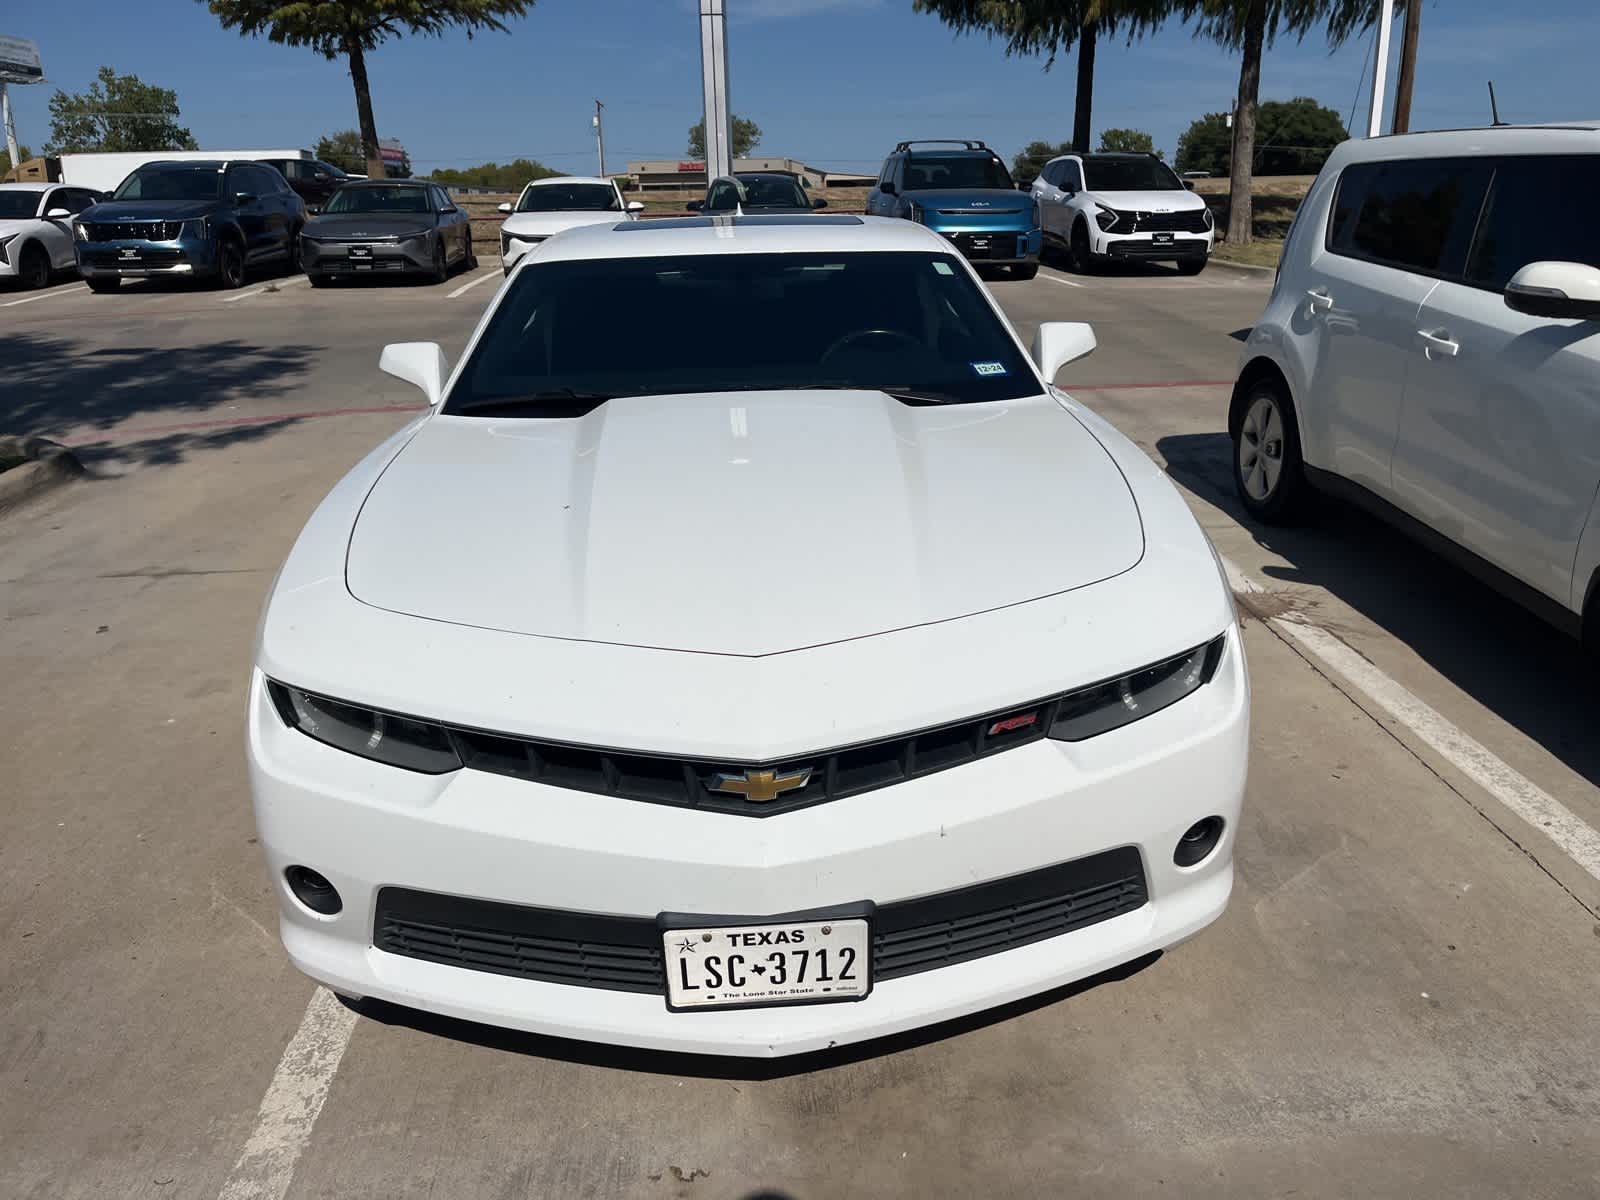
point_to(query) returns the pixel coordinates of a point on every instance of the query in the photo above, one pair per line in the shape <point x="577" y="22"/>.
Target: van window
<point x="1539" y="210"/>
<point x="1415" y="215"/>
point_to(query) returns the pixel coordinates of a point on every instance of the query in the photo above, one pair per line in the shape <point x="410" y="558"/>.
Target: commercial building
<point x="675" y="174"/>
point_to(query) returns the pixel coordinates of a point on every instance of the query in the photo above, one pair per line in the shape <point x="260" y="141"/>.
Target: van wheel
<point x="1268" y="471"/>
<point x="1025" y="271"/>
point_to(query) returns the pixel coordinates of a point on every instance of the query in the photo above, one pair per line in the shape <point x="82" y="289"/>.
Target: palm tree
<point x="353" y="28"/>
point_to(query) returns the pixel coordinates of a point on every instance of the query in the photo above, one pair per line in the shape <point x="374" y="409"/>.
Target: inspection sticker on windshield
<point x="942" y="267"/>
<point x="989" y="368"/>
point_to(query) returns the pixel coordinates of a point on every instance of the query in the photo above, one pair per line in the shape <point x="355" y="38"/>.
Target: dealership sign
<point x="19" y="61"/>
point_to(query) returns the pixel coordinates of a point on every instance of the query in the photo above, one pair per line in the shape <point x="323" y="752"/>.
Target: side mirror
<point x="1059" y="342"/>
<point x="818" y="202"/>
<point x="319" y="176"/>
<point x="419" y="363"/>
<point x="635" y="205"/>
<point x="57" y="214"/>
<point x="244" y="197"/>
<point x="1560" y="290"/>
<point x="888" y="189"/>
<point x="1026" y="187"/>
<point x="695" y="205"/>
<point x="505" y="208"/>
<point x="1188" y="185"/>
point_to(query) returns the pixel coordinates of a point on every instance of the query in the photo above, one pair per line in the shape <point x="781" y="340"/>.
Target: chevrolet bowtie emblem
<point x="761" y="786"/>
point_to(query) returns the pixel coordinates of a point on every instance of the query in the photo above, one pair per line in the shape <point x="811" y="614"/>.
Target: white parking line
<point x="1576" y="838"/>
<point x="277" y="285"/>
<point x="472" y="283"/>
<point x="292" y="1103"/>
<point x="1054" y="278"/>
<point x="67" y="291"/>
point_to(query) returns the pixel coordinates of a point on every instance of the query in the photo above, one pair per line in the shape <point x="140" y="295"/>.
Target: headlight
<point x="418" y="236"/>
<point x="505" y="244"/>
<point x="1207" y="218"/>
<point x="1037" y="221"/>
<point x="80" y="231"/>
<point x="914" y="211"/>
<point x="200" y="228"/>
<point x="1107" y="218"/>
<point x="1118" y="702"/>
<point x="4" y="242"/>
<point x="382" y="737"/>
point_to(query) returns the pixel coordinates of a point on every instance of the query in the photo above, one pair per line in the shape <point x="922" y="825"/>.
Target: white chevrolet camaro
<point x="787" y="668"/>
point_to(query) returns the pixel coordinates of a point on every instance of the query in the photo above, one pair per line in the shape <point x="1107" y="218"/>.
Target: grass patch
<point x="9" y="459"/>
<point x="1262" y="252"/>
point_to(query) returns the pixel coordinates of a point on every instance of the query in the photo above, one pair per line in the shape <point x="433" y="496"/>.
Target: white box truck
<point x="103" y="172"/>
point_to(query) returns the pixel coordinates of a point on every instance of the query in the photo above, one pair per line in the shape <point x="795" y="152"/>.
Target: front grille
<point x="1193" y="221"/>
<point x="624" y="953"/>
<point x="369" y="265"/>
<point x="134" y="231"/>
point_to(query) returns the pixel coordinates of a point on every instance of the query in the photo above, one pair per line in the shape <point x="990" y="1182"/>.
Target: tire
<point x="1191" y="266"/>
<point x="230" y="265"/>
<point x="441" y="263"/>
<point x="33" y="268"/>
<point x="294" y="263"/>
<point x="1079" y="255"/>
<point x="1025" y="271"/>
<point x="103" y="284"/>
<point x="318" y="279"/>
<point x="470" y="262"/>
<point x="1268" y="471"/>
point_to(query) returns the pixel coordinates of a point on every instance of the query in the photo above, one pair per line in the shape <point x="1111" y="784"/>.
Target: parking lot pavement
<point x="1398" y="1001"/>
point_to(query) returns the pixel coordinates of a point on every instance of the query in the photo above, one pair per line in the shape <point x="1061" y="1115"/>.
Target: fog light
<point x="314" y="891"/>
<point x="1198" y="841"/>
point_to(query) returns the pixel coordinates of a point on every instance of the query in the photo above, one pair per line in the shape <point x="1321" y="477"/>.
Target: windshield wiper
<point x="920" y="395"/>
<point x="564" y="402"/>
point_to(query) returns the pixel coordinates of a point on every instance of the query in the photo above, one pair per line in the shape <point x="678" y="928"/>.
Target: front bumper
<point x="512" y="249"/>
<point x="130" y="259"/>
<point x="993" y="246"/>
<point x="366" y="257"/>
<point x="1150" y="247"/>
<point x="469" y="834"/>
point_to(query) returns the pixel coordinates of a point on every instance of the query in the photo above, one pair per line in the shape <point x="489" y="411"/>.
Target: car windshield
<point x="18" y="204"/>
<point x="569" y="197"/>
<point x="772" y="191"/>
<point x="1129" y="175"/>
<point x="956" y="171"/>
<point x="172" y="183"/>
<point x="378" y="199"/>
<point x="903" y="322"/>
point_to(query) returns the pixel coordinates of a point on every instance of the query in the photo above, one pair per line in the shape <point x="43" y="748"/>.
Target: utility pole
<point x="11" y="129"/>
<point x="714" y="75"/>
<point x="1408" y="68"/>
<point x="1380" y="68"/>
<point x="600" y="137"/>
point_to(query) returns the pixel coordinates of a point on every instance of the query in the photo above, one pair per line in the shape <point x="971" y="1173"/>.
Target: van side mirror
<point x="1059" y="342"/>
<point x="1560" y="290"/>
<point x="419" y="363"/>
<point x="888" y="189"/>
<point x="1026" y="186"/>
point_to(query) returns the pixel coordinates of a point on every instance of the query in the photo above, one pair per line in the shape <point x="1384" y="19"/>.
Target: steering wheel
<point x="859" y="335"/>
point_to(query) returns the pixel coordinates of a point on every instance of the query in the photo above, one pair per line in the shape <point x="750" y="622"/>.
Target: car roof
<point x="407" y="182"/>
<point x="798" y="234"/>
<point x="762" y="175"/>
<point x="569" y="179"/>
<point x="1573" y="137"/>
<point x="33" y="186"/>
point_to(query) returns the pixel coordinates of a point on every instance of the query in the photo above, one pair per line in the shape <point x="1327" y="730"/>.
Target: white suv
<point x="1122" y="207"/>
<point x="1431" y="350"/>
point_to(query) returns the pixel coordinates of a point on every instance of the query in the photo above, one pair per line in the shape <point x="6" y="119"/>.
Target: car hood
<point x="12" y="226"/>
<point x="151" y="210"/>
<point x="375" y="225"/>
<point x="548" y="224"/>
<point x="998" y="200"/>
<point x="1160" y="201"/>
<point x="746" y="523"/>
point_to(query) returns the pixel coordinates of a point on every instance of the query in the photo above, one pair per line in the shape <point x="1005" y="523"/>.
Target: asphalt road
<point x="1401" y="999"/>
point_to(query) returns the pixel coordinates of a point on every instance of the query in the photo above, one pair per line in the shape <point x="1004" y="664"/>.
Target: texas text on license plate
<point x="791" y="962"/>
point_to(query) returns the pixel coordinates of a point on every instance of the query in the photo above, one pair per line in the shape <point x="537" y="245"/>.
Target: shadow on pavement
<point x="664" y="1062"/>
<point x="1508" y="660"/>
<point x="54" y="387"/>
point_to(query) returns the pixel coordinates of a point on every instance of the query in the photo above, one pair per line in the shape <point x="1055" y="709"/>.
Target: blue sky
<point x="832" y="82"/>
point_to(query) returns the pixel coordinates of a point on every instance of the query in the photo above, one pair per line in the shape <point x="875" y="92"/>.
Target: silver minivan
<point x="1431" y="351"/>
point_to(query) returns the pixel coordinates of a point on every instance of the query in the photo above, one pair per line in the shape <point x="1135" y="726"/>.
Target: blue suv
<point x="962" y="190"/>
<point x="192" y="219"/>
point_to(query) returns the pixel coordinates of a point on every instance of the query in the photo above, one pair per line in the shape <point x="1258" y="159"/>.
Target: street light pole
<point x="1380" y="68"/>
<point x="714" y="75"/>
<point x="600" y="137"/>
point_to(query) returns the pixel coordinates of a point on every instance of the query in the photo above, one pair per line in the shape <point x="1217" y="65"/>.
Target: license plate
<point x="788" y="963"/>
<point x="978" y="245"/>
<point x="1161" y="239"/>
<point x="128" y="254"/>
<point x="361" y="252"/>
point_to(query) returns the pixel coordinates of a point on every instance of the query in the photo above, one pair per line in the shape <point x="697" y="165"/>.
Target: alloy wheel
<point x="1261" y="447"/>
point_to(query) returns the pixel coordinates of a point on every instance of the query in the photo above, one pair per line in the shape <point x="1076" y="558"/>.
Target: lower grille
<point x="134" y="231"/>
<point x="1193" y="221"/>
<point x="624" y="953"/>
<point x="368" y="265"/>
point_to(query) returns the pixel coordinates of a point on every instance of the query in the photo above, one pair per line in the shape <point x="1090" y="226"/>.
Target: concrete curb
<point x="48" y="466"/>
<point x="1246" y="268"/>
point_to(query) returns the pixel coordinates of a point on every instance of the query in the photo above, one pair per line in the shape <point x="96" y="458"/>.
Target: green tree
<point x="343" y="150"/>
<point x="118" y="112"/>
<point x="510" y="177"/>
<point x="5" y="157"/>
<point x="1207" y="145"/>
<point x="354" y="28"/>
<point x="1052" y="27"/>
<point x="746" y="137"/>
<point x="1128" y="141"/>
<point x="1293" y="137"/>
<point x="1025" y="167"/>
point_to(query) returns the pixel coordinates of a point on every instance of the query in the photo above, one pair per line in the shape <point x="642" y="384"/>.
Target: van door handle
<point x="1438" y="342"/>
<point x="1320" y="300"/>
